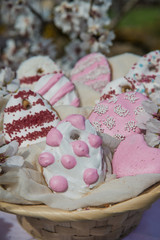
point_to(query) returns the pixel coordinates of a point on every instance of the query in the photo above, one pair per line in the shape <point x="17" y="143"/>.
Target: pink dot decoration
<point x="45" y="159"/>
<point x="68" y="161"/>
<point x="76" y="120"/>
<point x="58" y="184"/>
<point x="54" y="137"/>
<point x="80" y="148"/>
<point x="90" y="176"/>
<point x="95" y="141"/>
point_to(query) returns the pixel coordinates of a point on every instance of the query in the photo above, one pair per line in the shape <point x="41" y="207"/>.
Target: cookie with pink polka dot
<point x="116" y="116"/>
<point x="72" y="161"/>
<point x="92" y="70"/>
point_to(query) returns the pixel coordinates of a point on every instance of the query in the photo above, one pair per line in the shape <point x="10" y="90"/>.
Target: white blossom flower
<point x="8" y="83"/>
<point x="149" y="122"/>
<point x="27" y="24"/>
<point x="152" y="135"/>
<point x="101" y="41"/>
<point x="8" y="157"/>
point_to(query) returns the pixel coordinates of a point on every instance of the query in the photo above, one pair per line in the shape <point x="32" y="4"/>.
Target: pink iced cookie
<point x="73" y="158"/>
<point x="147" y="71"/>
<point x="32" y="69"/>
<point x="116" y="116"/>
<point x="57" y="89"/>
<point x="92" y="70"/>
<point x="28" y="118"/>
<point x="133" y="156"/>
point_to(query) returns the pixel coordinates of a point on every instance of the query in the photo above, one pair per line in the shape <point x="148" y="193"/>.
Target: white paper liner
<point x="26" y="185"/>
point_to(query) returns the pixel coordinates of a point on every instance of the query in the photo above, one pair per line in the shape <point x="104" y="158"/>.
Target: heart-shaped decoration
<point x="133" y="156"/>
<point x="28" y="118"/>
<point x="92" y="70"/>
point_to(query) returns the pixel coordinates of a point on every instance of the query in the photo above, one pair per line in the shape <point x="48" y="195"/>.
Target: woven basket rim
<point x="141" y="202"/>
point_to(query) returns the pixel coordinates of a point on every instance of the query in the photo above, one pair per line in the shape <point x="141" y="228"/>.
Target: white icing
<point x="76" y="185"/>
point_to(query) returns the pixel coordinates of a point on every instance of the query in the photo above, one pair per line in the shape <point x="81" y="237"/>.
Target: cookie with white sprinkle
<point x="116" y="115"/>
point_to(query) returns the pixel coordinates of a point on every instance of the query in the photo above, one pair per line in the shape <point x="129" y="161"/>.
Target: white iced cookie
<point x="33" y="68"/>
<point x="28" y="118"/>
<point x="73" y="158"/>
<point x="121" y="85"/>
<point x="57" y="89"/>
<point x="147" y="71"/>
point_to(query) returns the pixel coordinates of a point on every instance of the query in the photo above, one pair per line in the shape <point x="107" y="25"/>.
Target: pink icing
<point x="133" y="156"/>
<point x="62" y="92"/>
<point x="117" y="117"/>
<point x="45" y="159"/>
<point x="94" y="140"/>
<point x="103" y="77"/>
<point x="54" y="137"/>
<point x="58" y="184"/>
<point x="76" y="120"/>
<point x="90" y="176"/>
<point x="75" y="102"/>
<point x="68" y="161"/>
<point x="52" y="81"/>
<point x="80" y="148"/>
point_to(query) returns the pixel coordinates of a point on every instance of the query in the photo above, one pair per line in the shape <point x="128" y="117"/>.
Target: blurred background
<point x="68" y="30"/>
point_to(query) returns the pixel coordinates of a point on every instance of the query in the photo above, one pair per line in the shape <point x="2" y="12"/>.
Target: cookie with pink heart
<point x="72" y="161"/>
<point x="133" y="156"/>
<point x="28" y="118"/>
<point x="92" y="70"/>
<point x="116" y="116"/>
<point x="57" y="89"/>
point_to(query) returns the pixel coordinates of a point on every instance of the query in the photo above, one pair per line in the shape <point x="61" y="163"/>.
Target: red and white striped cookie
<point x="30" y="71"/>
<point x="28" y="118"/>
<point x="92" y="70"/>
<point x="57" y="89"/>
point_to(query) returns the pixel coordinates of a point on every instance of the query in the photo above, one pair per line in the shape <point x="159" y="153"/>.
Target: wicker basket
<point x="102" y="223"/>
